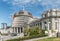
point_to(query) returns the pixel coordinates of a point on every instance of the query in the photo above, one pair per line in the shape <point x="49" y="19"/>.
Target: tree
<point x="34" y="31"/>
<point x="26" y="31"/>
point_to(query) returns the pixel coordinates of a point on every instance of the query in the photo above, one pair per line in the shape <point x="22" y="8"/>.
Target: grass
<point x="49" y="39"/>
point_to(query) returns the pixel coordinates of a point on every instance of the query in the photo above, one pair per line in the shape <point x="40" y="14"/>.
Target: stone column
<point x="23" y="29"/>
<point x="13" y="30"/>
<point x="39" y="24"/>
<point x="48" y="25"/>
<point x="42" y="25"/>
<point x="39" y="27"/>
<point x="17" y="29"/>
<point x="48" y="28"/>
<point x="20" y="30"/>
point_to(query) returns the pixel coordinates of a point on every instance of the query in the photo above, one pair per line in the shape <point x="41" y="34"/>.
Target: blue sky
<point x="36" y="7"/>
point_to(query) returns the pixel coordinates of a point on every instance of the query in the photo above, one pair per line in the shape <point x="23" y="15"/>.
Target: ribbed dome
<point x="23" y="12"/>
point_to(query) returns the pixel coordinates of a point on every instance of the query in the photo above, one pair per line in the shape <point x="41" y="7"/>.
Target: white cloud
<point x="52" y="3"/>
<point x="21" y="2"/>
<point x="44" y="3"/>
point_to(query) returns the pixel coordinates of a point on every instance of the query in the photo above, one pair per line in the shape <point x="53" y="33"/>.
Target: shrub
<point x="34" y="31"/>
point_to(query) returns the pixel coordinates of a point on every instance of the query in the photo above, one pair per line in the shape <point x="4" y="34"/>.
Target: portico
<point x="18" y="30"/>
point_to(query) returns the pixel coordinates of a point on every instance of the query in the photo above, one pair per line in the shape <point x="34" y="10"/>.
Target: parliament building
<point x="49" y="21"/>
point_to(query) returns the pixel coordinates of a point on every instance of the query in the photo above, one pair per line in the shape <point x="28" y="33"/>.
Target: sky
<point x="36" y="7"/>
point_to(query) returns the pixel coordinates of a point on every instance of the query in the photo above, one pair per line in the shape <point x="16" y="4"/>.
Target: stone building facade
<point x="50" y="21"/>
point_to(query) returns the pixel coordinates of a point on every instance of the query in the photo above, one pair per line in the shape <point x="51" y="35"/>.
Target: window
<point x="58" y="13"/>
<point x="55" y="25"/>
<point x="48" y="14"/>
<point x="43" y="16"/>
<point x="53" y="13"/>
<point x="21" y="29"/>
<point x="21" y="12"/>
<point x="16" y="30"/>
<point x="50" y="26"/>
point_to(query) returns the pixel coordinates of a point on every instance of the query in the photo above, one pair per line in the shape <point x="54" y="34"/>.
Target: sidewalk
<point x="36" y="38"/>
<point x="8" y="37"/>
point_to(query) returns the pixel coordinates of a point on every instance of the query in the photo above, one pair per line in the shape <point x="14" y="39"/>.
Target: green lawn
<point x="49" y="39"/>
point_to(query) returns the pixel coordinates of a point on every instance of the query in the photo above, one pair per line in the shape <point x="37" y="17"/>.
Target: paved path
<point x="7" y="37"/>
<point x="36" y="38"/>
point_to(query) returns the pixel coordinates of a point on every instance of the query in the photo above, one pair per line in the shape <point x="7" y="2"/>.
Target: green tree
<point x="34" y="31"/>
<point x="26" y="30"/>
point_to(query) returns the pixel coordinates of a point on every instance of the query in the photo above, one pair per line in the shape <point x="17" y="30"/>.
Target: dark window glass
<point x="21" y="30"/>
<point x="21" y="12"/>
<point x="18" y="30"/>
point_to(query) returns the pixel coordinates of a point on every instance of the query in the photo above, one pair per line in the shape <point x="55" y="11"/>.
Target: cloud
<point x="21" y="2"/>
<point x="51" y="3"/>
<point x="44" y="3"/>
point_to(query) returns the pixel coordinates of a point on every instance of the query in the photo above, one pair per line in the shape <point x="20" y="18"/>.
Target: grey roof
<point x="23" y="12"/>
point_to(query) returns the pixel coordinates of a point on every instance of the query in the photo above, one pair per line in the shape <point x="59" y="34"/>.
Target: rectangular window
<point x="16" y="30"/>
<point x="53" y="13"/>
<point x="58" y="13"/>
<point x="55" y="25"/>
<point x="21" y="29"/>
<point x="48" y="14"/>
<point x="50" y="26"/>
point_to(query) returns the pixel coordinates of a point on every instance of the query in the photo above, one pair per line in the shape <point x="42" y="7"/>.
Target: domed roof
<point x="23" y="12"/>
